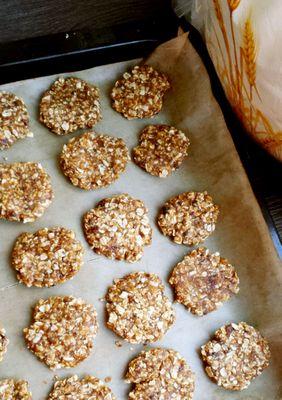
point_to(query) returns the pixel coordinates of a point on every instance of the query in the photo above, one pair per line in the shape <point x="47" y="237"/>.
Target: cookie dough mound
<point x="203" y="281"/>
<point x="14" y="120"/>
<point x="70" y="104"/>
<point x="11" y="389"/>
<point x="235" y="356"/>
<point x="139" y="94"/>
<point x="4" y="341"/>
<point x="161" y="149"/>
<point x="92" y="161"/>
<point x="138" y="310"/>
<point x="118" y="228"/>
<point x="47" y="257"/>
<point x="81" y="389"/>
<point x="188" y="218"/>
<point x="25" y="191"/>
<point x="160" y="374"/>
<point x="62" y="332"/>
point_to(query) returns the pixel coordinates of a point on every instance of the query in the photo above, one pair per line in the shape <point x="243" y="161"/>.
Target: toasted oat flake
<point x="25" y="191"/>
<point x="14" y="120"/>
<point x="118" y="227"/>
<point x="11" y="389"/>
<point x="74" y="388"/>
<point x="203" y="281"/>
<point x="160" y="374"/>
<point x="138" y="310"/>
<point x="92" y="161"/>
<point x="47" y="257"/>
<point x="62" y="331"/>
<point x="4" y="341"/>
<point x="161" y="149"/>
<point x="139" y="93"/>
<point x="188" y="218"/>
<point x="70" y="104"/>
<point x="235" y="356"/>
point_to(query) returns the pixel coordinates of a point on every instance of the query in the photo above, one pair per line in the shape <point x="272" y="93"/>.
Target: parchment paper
<point x="241" y="234"/>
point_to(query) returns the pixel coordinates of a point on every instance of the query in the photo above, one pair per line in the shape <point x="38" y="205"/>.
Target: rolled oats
<point x="4" y="341"/>
<point x="25" y="191"/>
<point x="92" y="161"/>
<point x="14" y="120"/>
<point x="161" y="149"/>
<point x="235" y="356"/>
<point x="203" y="281"/>
<point x="138" y="310"/>
<point x="188" y="218"/>
<point x="11" y="389"/>
<point x="70" y="104"/>
<point x="62" y="332"/>
<point x="86" y="388"/>
<point x="47" y="257"/>
<point x="118" y="228"/>
<point x="139" y="93"/>
<point x="160" y="374"/>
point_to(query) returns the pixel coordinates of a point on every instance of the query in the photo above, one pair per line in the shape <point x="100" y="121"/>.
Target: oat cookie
<point x="14" y="120"/>
<point x="70" y="104"/>
<point x="235" y="356"/>
<point x="47" y="257"/>
<point x="138" y="309"/>
<point x="92" y="160"/>
<point x="160" y="374"/>
<point x="161" y="149"/>
<point x="203" y="281"/>
<point x="4" y="341"/>
<point x="25" y="191"/>
<point x="11" y="389"/>
<point x="139" y="93"/>
<point x="88" y="387"/>
<point x="188" y="218"/>
<point x="118" y="227"/>
<point x="62" y="331"/>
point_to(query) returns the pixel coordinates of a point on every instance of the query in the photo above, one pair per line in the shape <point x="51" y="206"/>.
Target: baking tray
<point x="241" y="235"/>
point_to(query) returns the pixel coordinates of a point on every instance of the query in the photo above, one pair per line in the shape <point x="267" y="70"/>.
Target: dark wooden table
<point x="39" y="37"/>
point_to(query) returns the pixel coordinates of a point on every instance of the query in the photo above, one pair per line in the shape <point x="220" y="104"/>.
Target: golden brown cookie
<point x="4" y="341"/>
<point x="11" y="389"/>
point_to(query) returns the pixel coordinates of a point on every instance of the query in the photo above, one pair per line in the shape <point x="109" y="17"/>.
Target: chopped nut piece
<point x="14" y="120"/>
<point x="139" y="94"/>
<point x="144" y="314"/>
<point x="11" y="389"/>
<point x="92" y="161"/>
<point x="74" y="388"/>
<point x="4" y="341"/>
<point x="160" y="374"/>
<point x="70" y="104"/>
<point x="161" y="149"/>
<point x="116" y="229"/>
<point x="188" y="218"/>
<point x="62" y="332"/>
<point x="235" y="356"/>
<point x="25" y="191"/>
<point x="203" y="281"/>
<point x="47" y="257"/>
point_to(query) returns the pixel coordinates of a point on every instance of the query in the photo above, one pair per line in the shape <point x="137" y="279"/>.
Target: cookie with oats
<point x="203" y="281"/>
<point x="139" y="93"/>
<point x="161" y="149"/>
<point x="88" y="387"/>
<point x="92" y="160"/>
<point x="118" y="228"/>
<point x="188" y="218"/>
<point x="70" y="104"/>
<point x="138" y="309"/>
<point x="47" y="257"/>
<point x="25" y="191"/>
<point x="4" y="341"/>
<point x="160" y="374"/>
<point x="62" y="331"/>
<point x="235" y="356"/>
<point x="11" y="389"/>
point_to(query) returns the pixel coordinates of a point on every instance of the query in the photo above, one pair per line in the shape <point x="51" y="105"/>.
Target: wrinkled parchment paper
<point x="241" y="234"/>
